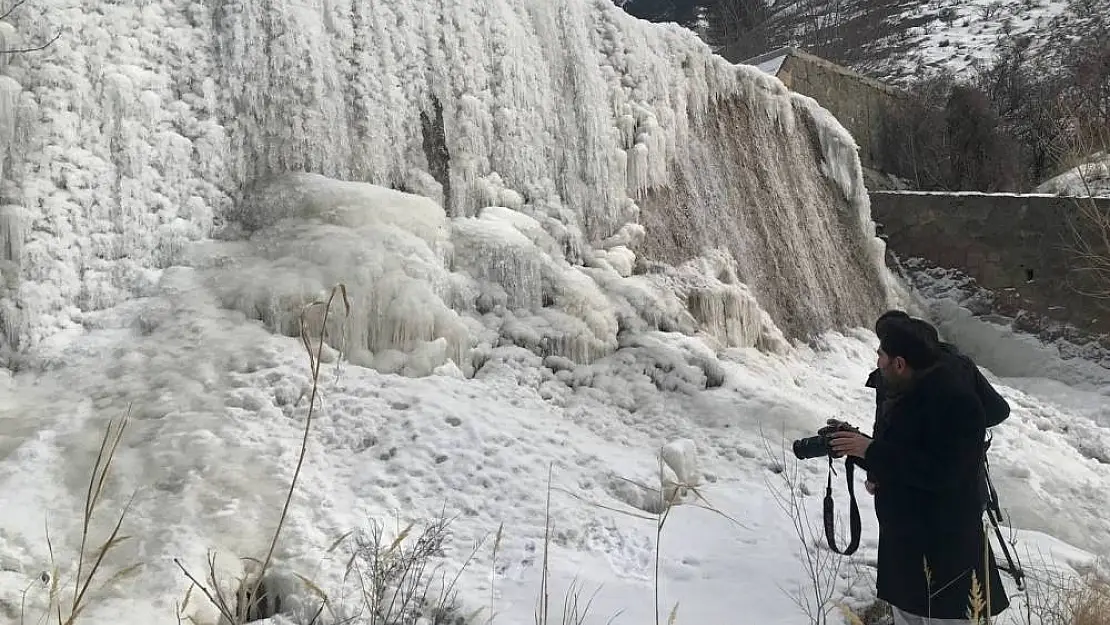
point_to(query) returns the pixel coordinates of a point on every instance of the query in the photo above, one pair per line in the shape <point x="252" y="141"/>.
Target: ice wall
<point x="151" y="126"/>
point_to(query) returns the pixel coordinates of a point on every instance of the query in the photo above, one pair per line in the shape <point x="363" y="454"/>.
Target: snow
<point x="599" y="280"/>
<point x="1090" y="178"/>
<point x="948" y="297"/>
<point x="961" y="36"/>
<point x="216" y="431"/>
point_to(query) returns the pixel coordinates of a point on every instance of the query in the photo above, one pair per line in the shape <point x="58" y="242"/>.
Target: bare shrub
<point x="823" y="567"/>
<point x="63" y="607"/>
<point x="400" y="580"/>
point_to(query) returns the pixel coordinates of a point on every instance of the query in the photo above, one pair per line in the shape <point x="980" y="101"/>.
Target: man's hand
<point x="850" y="443"/>
<point x="870" y="486"/>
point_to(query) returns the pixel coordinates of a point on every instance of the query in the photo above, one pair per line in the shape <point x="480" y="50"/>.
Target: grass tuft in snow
<point x="397" y="580"/>
<point x="254" y="599"/>
<point x="679" y="485"/>
<point x="89" y="566"/>
<point x="575" y="612"/>
<point x="822" y="567"/>
<point x="1058" y="596"/>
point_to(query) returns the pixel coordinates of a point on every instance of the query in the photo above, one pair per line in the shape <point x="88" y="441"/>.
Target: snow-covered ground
<point x="213" y="447"/>
<point x="1062" y="354"/>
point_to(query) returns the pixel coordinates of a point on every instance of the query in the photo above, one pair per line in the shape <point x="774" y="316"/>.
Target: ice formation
<point x="550" y="175"/>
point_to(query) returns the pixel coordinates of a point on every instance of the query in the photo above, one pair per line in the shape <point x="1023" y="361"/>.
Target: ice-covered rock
<point x="446" y="162"/>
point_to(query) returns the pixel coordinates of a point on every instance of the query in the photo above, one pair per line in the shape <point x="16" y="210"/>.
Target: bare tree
<point x="1090" y="222"/>
<point x="823" y="27"/>
<point x="740" y="26"/>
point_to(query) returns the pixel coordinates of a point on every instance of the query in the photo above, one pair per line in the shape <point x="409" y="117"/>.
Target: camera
<point x="817" y="446"/>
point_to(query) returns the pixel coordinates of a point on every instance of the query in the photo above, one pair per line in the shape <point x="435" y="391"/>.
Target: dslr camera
<point x="817" y="446"/>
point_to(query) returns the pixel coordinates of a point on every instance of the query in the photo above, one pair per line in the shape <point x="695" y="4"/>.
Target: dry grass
<point x="823" y="567"/>
<point x="89" y="566"/>
<point x="252" y="599"/>
<point x="397" y="580"/>
<point x="671" y="495"/>
<point x="1057" y="597"/>
<point x="575" y="610"/>
<point x="1088" y="602"/>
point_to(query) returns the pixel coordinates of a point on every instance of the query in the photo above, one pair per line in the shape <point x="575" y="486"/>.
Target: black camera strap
<point x="855" y="525"/>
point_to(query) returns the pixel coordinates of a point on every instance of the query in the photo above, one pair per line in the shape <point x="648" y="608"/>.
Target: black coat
<point x="966" y="372"/>
<point x="995" y="407"/>
<point x="925" y="461"/>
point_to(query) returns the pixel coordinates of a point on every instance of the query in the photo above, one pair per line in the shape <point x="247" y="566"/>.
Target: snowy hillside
<point x="921" y="38"/>
<point x="901" y="41"/>
<point x="568" y="239"/>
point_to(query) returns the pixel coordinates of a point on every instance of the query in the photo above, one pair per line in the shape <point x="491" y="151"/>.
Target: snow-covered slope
<point x="900" y="41"/>
<point x="922" y="38"/>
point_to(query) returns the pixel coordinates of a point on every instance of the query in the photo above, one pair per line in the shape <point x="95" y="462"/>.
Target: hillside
<point x="901" y="41"/>
<point x="898" y="41"/>
<point x="1008" y="93"/>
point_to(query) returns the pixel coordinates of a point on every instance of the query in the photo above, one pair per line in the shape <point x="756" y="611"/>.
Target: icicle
<point x="494" y="251"/>
<point x="9" y="40"/>
<point x="639" y="172"/>
<point x="11" y="235"/>
<point x="9" y="101"/>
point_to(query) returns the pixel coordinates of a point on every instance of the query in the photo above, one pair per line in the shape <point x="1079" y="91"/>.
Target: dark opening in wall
<point x="1028" y="274"/>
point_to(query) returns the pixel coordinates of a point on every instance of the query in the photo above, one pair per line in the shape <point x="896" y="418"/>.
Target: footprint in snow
<point x="630" y="554"/>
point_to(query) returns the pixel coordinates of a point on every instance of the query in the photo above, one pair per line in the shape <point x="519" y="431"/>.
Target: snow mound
<point x="1091" y="178"/>
<point x="426" y="290"/>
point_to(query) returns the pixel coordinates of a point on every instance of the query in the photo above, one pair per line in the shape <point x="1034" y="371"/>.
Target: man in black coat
<point x="995" y="407"/>
<point x="926" y="460"/>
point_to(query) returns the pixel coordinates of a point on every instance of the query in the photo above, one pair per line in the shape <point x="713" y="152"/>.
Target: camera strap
<point x="853" y="512"/>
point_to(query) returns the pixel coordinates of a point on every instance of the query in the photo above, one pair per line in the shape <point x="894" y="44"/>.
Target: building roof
<point x="771" y="63"/>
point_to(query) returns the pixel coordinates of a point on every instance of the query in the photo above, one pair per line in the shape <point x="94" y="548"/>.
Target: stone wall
<point x="1020" y="247"/>
<point x="864" y="106"/>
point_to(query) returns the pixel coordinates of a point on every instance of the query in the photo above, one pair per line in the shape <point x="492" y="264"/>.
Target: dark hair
<point x="887" y="316"/>
<point x="927" y="330"/>
<point x="910" y="340"/>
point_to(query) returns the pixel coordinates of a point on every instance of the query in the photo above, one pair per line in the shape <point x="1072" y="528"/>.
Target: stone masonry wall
<point x="862" y="105"/>
<point x="1021" y="247"/>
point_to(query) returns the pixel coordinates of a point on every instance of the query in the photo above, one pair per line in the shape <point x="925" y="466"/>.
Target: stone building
<point x="866" y="107"/>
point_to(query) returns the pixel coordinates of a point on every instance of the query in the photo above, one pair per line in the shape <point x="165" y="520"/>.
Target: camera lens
<point x="810" y="447"/>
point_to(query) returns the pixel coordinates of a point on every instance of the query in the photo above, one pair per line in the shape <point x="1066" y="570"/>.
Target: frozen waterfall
<point x="479" y="172"/>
